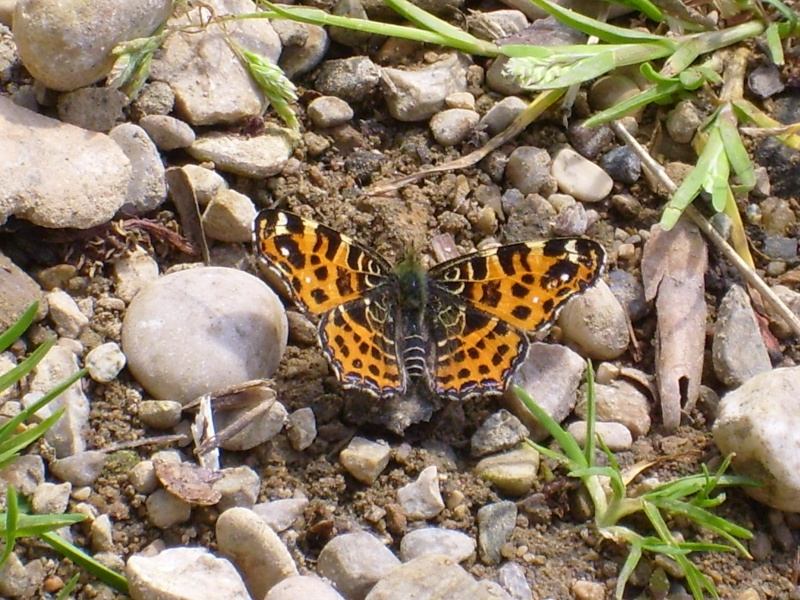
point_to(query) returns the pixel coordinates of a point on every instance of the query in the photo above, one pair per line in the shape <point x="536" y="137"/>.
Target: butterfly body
<point x="457" y="330"/>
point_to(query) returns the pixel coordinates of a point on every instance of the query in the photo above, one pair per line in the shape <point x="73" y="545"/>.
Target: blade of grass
<point x="9" y="378"/>
<point x="86" y="562"/>
<point x="13" y="333"/>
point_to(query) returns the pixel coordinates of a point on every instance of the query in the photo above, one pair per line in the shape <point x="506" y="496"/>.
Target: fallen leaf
<point x="673" y="268"/>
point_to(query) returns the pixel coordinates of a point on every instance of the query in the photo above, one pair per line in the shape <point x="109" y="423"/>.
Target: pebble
<point x="513" y="473"/>
<point x="629" y="291"/>
<point x="256" y="157"/>
<point x="435" y="540"/>
<point x="168" y="133"/>
<point x="580" y="177"/>
<point x="738" y="351"/>
<point x="496" y="523"/>
<point x="155" y="98"/>
<point x="239" y="487"/>
<point x="355" y="562"/>
<point x="364" y="459"/>
<point x="463" y="100"/>
<point x="422" y="499"/>
<point x="303" y="586"/>
<point x="502" y="114"/>
<point x="588" y="590"/>
<point x="622" y="165"/>
<point x="418" y="95"/>
<point x="61" y="52"/>
<point x="682" y="121"/>
<point x="17" y="291"/>
<point x="51" y="498"/>
<point x="25" y="474"/>
<point x="190" y="63"/>
<point x="551" y="375"/>
<point x="7" y="396"/>
<point x="621" y="402"/>
<point x="68" y="318"/>
<point x="301" y="428"/>
<point x="792" y="299"/>
<point x="260" y="428"/>
<point x="614" y="435"/>
<point x="572" y="221"/>
<point x="512" y="577"/>
<point x="256" y="550"/>
<point x="777" y="217"/>
<point x="756" y="421"/>
<point x="589" y="142"/>
<point x="281" y="514"/>
<point x="82" y="184"/>
<point x="133" y="272"/>
<point x="206" y="308"/>
<point x="93" y="108"/>
<point x="779" y="247"/>
<point x="500" y="431"/>
<point x="351" y="79"/>
<point x="595" y="323"/>
<point x="432" y="577"/>
<point x="528" y="170"/>
<point x="301" y="53"/>
<point x="329" y="111"/>
<point x="229" y="217"/>
<point x="143" y="477"/>
<point x="204" y="183"/>
<point x="765" y="81"/>
<point x="148" y="188"/>
<point x="67" y="434"/>
<point x="14" y="579"/>
<point x="184" y="573"/>
<point x="105" y="362"/>
<point x="497" y="24"/>
<point x="102" y="534"/>
<point x="166" y="510"/>
<point x="453" y="126"/>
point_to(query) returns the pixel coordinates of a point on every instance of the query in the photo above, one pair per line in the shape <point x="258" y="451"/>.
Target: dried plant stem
<point x="748" y="273"/>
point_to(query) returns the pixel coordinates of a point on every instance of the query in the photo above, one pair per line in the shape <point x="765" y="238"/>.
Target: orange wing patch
<point x="523" y="284"/>
<point x="318" y="267"/>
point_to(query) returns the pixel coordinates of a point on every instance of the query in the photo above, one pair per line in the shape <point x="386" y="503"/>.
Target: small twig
<point x="749" y="274"/>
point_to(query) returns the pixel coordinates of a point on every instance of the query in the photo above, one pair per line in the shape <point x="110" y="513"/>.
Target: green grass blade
<point x="430" y="22"/>
<point x="12" y="514"/>
<point x="567" y="443"/>
<point x="69" y="587"/>
<point x="13" y="333"/>
<point x="632" y="560"/>
<point x="86" y="562"/>
<point x="10" y="449"/>
<point x="22" y="369"/>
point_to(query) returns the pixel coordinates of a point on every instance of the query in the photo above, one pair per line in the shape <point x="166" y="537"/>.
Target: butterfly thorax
<point x="412" y="301"/>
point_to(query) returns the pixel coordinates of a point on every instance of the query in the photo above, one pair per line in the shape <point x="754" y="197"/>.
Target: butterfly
<point x="458" y="330"/>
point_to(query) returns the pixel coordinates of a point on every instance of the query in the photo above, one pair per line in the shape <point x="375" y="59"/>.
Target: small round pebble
<point x="580" y="177"/>
<point x="303" y="586"/>
<point x="229" y="217"/>
<point x="68" y="318"/>
<point x="79" y="469"/>
<point x="355" y="562"/>
<point x="458" y="546"/>
<point x="615" y="435"/>
<point x="595" y="322"/>
<point x="51" y="498"/>
<point x="200" y="330"/>
<point x="513" y="473"/>
<point x="167" y="133"/>
<point x="105" y="362"/>
<point x="453" y="126"/>
<point x="329" y="111"/>
<point x="431" y="576"/>
<point x="165" y="510"/>
<point x="281" y="514"/>
<point x="143" y="477"/>
<point x="239" y="486"/>
<point x="160" y="414"/>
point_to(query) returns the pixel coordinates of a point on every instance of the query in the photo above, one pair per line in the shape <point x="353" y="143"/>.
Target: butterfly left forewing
<point x="319" y="267"/>
<point x="524" y="284"/>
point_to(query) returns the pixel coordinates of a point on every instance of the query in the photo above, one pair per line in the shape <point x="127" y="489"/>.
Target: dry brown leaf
<point x="189" y="482"/>
<point x="673" y="267"/>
